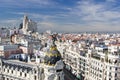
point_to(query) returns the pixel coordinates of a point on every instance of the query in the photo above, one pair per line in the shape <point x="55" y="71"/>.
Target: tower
<point x="53" y="64"/>
<point x="25" y="24"/>
<point x="29" y="25"/>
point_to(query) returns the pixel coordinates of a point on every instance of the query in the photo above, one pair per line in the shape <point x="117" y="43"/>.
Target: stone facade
<point x="29" y="25"/>
<point x="14" y="69"/>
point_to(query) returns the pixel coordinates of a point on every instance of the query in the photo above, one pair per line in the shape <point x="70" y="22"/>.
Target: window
<point x="110" y="68"/>
<point x="35" y="71"/>
<point x="8" y="71"/>
<point x="20" y="73"/>
<point x="115" y="74"/>
<point x="59" y="70"/>
<point x="59" y="78"/>
<point x="35" y="77"/>
<point x="25" y="75"/>
<point x="12" y="71"/>
<point x="3" y="78"/>
<point x="110" y="74"/>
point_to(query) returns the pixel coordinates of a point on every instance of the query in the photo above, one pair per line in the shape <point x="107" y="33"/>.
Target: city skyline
<point x="63" y="15"/>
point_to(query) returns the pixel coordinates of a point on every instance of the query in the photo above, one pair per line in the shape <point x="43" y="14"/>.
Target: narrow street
<point x="69" y="76"/>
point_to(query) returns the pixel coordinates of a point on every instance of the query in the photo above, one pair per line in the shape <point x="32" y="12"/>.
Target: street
<point x="69" y="76"/>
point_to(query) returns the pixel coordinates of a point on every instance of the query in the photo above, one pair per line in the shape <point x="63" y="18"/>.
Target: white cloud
<point x="43" y="26"/>
<point x="41" y="2"/>
<point x="87" y="15"/>
<point x="26" y="3"/>
<point x="10" y="23"/>
<point x="96" y="16"/>
<point x="46" y="24"/>
<point x="31" y="15"/>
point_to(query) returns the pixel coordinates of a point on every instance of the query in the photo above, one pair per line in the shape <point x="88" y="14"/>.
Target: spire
<point x="25" y="21"/>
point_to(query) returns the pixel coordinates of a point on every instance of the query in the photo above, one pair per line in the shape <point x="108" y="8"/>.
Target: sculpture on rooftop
<point x="53" y="55"/>
<point x="53" y="63"/>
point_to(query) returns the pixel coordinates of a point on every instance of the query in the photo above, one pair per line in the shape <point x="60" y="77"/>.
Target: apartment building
<point x="24" y="67"/>
<point x="92" y="61"/>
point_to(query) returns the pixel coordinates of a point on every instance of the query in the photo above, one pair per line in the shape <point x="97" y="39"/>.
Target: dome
<point x="52" y="56"/>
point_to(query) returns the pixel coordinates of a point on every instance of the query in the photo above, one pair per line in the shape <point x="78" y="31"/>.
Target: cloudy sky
<point x="63" y="15"/>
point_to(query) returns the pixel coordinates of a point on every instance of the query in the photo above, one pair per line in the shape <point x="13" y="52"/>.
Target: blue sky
<point x="63" y="15"/>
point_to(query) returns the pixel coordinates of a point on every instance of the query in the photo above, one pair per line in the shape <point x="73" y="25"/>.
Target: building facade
<point x="33" y="67"/>
<point x="91" y="63"/>
<point x="29" y="25"/>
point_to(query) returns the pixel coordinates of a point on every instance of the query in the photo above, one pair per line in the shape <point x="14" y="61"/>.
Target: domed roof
<point x="52" y="56"/>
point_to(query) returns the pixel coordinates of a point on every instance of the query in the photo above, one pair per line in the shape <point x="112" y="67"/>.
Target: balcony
<point x="96" y="56"/>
